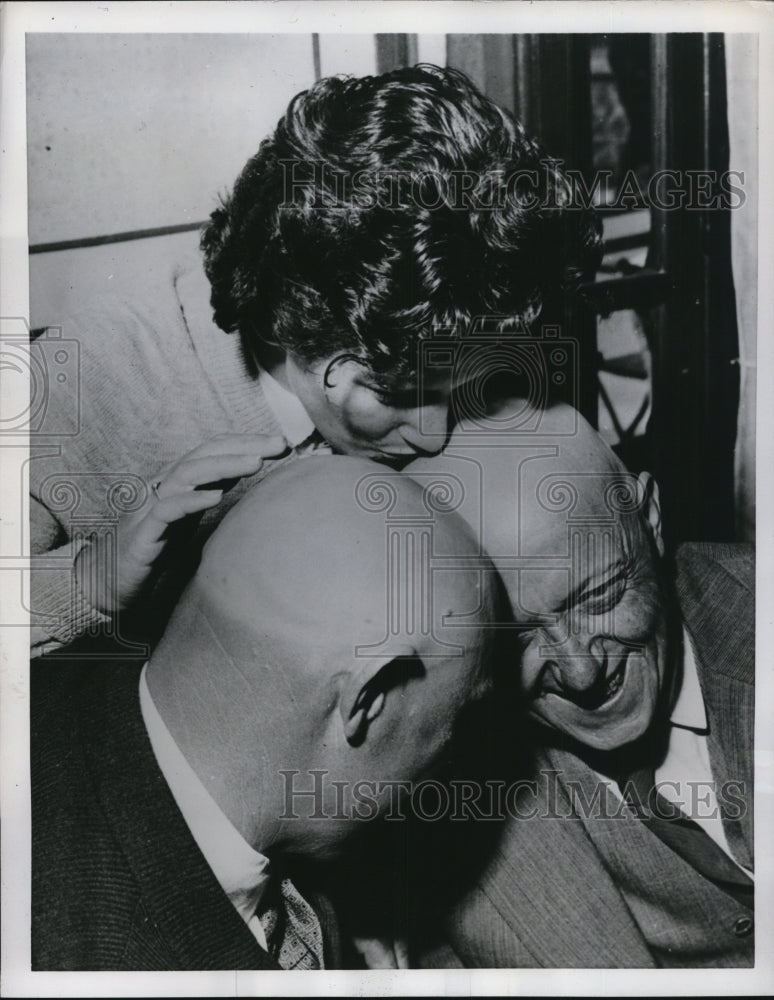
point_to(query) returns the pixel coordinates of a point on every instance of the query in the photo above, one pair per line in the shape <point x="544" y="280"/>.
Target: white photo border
<point x="420" y="16"/>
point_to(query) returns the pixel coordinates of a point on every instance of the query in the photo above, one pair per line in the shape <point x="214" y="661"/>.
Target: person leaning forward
<point x="298" y="330"/>
<point x="170" y="802"/>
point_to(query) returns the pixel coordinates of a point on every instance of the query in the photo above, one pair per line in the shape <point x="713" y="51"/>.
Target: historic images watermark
<point x="551" y="795"/>
<point x="525" y="189"/>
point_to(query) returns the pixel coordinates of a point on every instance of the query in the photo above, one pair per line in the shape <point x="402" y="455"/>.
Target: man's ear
<point x="367" y="687"/>
<point x="652" y="510"/>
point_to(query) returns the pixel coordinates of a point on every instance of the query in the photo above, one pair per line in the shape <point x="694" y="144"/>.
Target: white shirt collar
<point x="689" y="711"/>
<point x="295" y="422"/>
<point x="242" y="872"/>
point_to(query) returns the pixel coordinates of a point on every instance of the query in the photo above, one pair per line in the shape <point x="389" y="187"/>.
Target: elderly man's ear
<point x="652" y="509"/>
<point x="367" y="690"/>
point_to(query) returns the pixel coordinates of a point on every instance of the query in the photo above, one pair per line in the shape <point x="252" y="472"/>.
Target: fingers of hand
<point x="193" y="472"/>
<point x="170" y="509"/>
<point x="185" y="487"/>
<point x="228" y="457"/>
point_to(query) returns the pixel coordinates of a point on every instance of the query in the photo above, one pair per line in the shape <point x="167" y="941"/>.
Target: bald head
<point x="321" y="630"/>
<point x="325" y="558"/>
<point x="519" y="490"/>
<point x="575" y="538"/>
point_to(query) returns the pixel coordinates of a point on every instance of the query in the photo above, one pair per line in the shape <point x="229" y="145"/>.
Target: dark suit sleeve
<point x="118" y="883"/>
<point x="83" y="897"/>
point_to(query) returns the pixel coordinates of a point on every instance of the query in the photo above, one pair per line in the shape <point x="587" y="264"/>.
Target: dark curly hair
<point x="384" y="208"/>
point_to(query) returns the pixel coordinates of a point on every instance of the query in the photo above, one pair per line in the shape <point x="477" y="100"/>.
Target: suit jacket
<point x="547" y="897"/>
<point x="117" y="880"/>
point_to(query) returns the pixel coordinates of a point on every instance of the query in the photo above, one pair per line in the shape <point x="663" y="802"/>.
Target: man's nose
<point x="426" y="428"/>
<point x="574" y="663"/>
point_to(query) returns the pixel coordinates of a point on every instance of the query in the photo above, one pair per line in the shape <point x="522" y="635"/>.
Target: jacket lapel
<point x="716" y="598"/>
<point x="550" y="887"/>
<point x="730" y="708"/>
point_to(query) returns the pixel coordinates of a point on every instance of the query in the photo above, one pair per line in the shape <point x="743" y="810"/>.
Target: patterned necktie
<point x="293" y="932"/>
<point x="685" y="837"/>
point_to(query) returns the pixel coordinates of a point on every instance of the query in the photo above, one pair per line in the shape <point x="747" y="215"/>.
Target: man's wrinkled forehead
<point x="527" y="502"/>
<point x="544" y="515"/>
<point x="559" y="565"/>
<point x="556" y="524"/>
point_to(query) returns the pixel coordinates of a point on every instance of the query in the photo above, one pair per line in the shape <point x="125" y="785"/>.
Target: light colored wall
<point x="431" y="49"/>
<point x="351" y="54"/>
<point x="129" y="132"/>
<point x="138" y="131"/>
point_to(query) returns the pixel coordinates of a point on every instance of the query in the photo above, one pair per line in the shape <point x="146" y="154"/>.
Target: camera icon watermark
<point x="32" y="367"/>
<point x="481" y="364"/>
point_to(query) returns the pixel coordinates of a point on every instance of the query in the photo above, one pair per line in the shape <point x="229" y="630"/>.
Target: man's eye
<point x="604" y="597"/>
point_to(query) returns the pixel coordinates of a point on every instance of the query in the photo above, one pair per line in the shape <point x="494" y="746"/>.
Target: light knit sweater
<point x="155" y="379"/>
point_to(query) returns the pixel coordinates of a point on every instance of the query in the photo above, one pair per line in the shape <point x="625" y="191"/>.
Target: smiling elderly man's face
<point x="593" y="653"/>
<point x="581" y="575"/>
